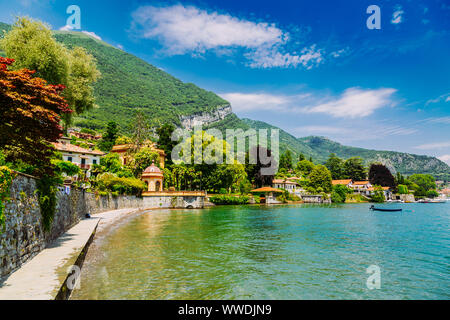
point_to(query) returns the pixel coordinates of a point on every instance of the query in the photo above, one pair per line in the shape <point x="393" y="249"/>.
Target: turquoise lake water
<point x="274" y="252"/>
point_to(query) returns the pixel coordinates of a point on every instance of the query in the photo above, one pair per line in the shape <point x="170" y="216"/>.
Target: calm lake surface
<point x="276" y="252"/>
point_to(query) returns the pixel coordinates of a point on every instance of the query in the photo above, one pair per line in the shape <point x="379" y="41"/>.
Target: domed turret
<point x="153" y="177"/>
<point x="152" y="169"/>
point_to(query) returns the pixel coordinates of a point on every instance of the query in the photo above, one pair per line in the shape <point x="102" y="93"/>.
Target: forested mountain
<point x="319" y="148"/>
<point x="129" y="84"/>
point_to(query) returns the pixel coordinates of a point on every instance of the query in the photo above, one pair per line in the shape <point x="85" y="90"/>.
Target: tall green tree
<point x="320" y="177"/>
<point x="109" y="138"/>
<point x="425" y="181"/>
<point x="141" y="160"/>
<point x="286" y="160"/>
<point x="400" y="179"/>
<point x="31" y="44"/>
<point x="82" y="75"/>
<point x="140" y="130"/>
<point x="304" y="167"/>
<point x="335" y="165"/>
<point x="165" y="140"/>
<point x="354" y="169"/>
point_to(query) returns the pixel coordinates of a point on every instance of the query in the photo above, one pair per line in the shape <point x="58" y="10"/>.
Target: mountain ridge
<point x="319" y="148"/>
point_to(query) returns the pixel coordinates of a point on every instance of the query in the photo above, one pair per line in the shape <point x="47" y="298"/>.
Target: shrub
<point x="245" y="187"/>
<point x="223" y="191"/>
<point x="336" y="197"/>
<point x="402" y="189"/>
<point x="432" y="194"/>
<point x="378" y="195"/>
<point x="229" y="200"/>
<point x="120" y="185"/>
<point x="66" y="167"/>
<point x="339" y="193"/>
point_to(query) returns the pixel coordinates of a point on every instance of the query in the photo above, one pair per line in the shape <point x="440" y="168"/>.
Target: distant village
<point x="87" y="158"/>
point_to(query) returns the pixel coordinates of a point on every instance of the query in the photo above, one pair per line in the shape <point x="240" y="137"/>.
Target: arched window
<point x="158" y="186"/>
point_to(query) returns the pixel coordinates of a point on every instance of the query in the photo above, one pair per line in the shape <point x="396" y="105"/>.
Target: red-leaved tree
<point x="30" y="114"/>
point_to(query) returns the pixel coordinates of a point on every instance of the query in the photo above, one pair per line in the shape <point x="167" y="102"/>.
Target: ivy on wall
<point x="6" y="178"/>
<point x="47" y="188"/>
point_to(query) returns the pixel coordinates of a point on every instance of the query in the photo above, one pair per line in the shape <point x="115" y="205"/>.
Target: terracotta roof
<point x="360" y="183"/>
<point x="152" y="168"/>
<point x="121" y="147"/>
<point x="67" y="147"/>
<point x="125" y="147"/>
<point x="267" y="189"/>
<point x="152" y="171"/>
<point x="282" y="181"/>
<point x="344" y="182"/>
<point x="446" y="191"/>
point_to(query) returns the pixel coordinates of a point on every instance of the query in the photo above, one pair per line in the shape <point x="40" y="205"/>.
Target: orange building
<point x="345" y="182"/>
<point x="123" y="151"/>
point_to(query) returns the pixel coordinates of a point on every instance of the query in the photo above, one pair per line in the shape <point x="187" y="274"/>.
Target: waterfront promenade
<point x="42" y="277"/>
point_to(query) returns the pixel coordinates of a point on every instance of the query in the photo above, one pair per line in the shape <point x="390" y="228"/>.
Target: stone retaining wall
<point x="23" y="236"/>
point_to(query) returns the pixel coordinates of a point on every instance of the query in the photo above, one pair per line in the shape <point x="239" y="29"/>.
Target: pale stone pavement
<point x="42" y="277"/>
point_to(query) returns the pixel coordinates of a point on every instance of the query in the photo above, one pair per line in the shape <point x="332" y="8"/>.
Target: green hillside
<point x="287" y="141"/>
<point x="3" y="28"/>
<point x="319" y="148"/>
<point x="405" y="163"/>
<point x="129" y="83"/>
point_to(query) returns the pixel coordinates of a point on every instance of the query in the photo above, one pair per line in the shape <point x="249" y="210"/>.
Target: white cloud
<point x="435" y="145"/>
<point x="189" y="30"/>
<point x="242" y="102"/>
<point x="397" y="16"/>
<point x="120" y="46"/>
<point x="443" y="120"/>
<point x="66" y="28"/>
<point x="339" y="53"/>
<point x="445" y="97"/>
<point x="352" y="103"/>
<point x="445" y="158"/>
<point x="268" y="58"/>
<point x="185" y="29"/>
<point x="355" y="103"/>
<point x="365" y="131"/>
<point x="92" y="34"/>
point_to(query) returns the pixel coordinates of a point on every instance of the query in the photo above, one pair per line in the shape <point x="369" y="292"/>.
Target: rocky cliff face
<point x="205" y="118"/>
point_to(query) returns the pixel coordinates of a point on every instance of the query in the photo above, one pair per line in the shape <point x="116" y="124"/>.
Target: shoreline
<point x="44" y="277"/>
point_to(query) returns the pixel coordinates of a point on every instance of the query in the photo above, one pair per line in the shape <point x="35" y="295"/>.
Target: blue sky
<point x="309" y="67"/>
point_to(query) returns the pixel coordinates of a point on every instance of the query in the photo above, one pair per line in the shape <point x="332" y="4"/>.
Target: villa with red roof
<point x="83" y="158"/>
<point x="361" y="186"/>
<point x="345" y="182"/>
